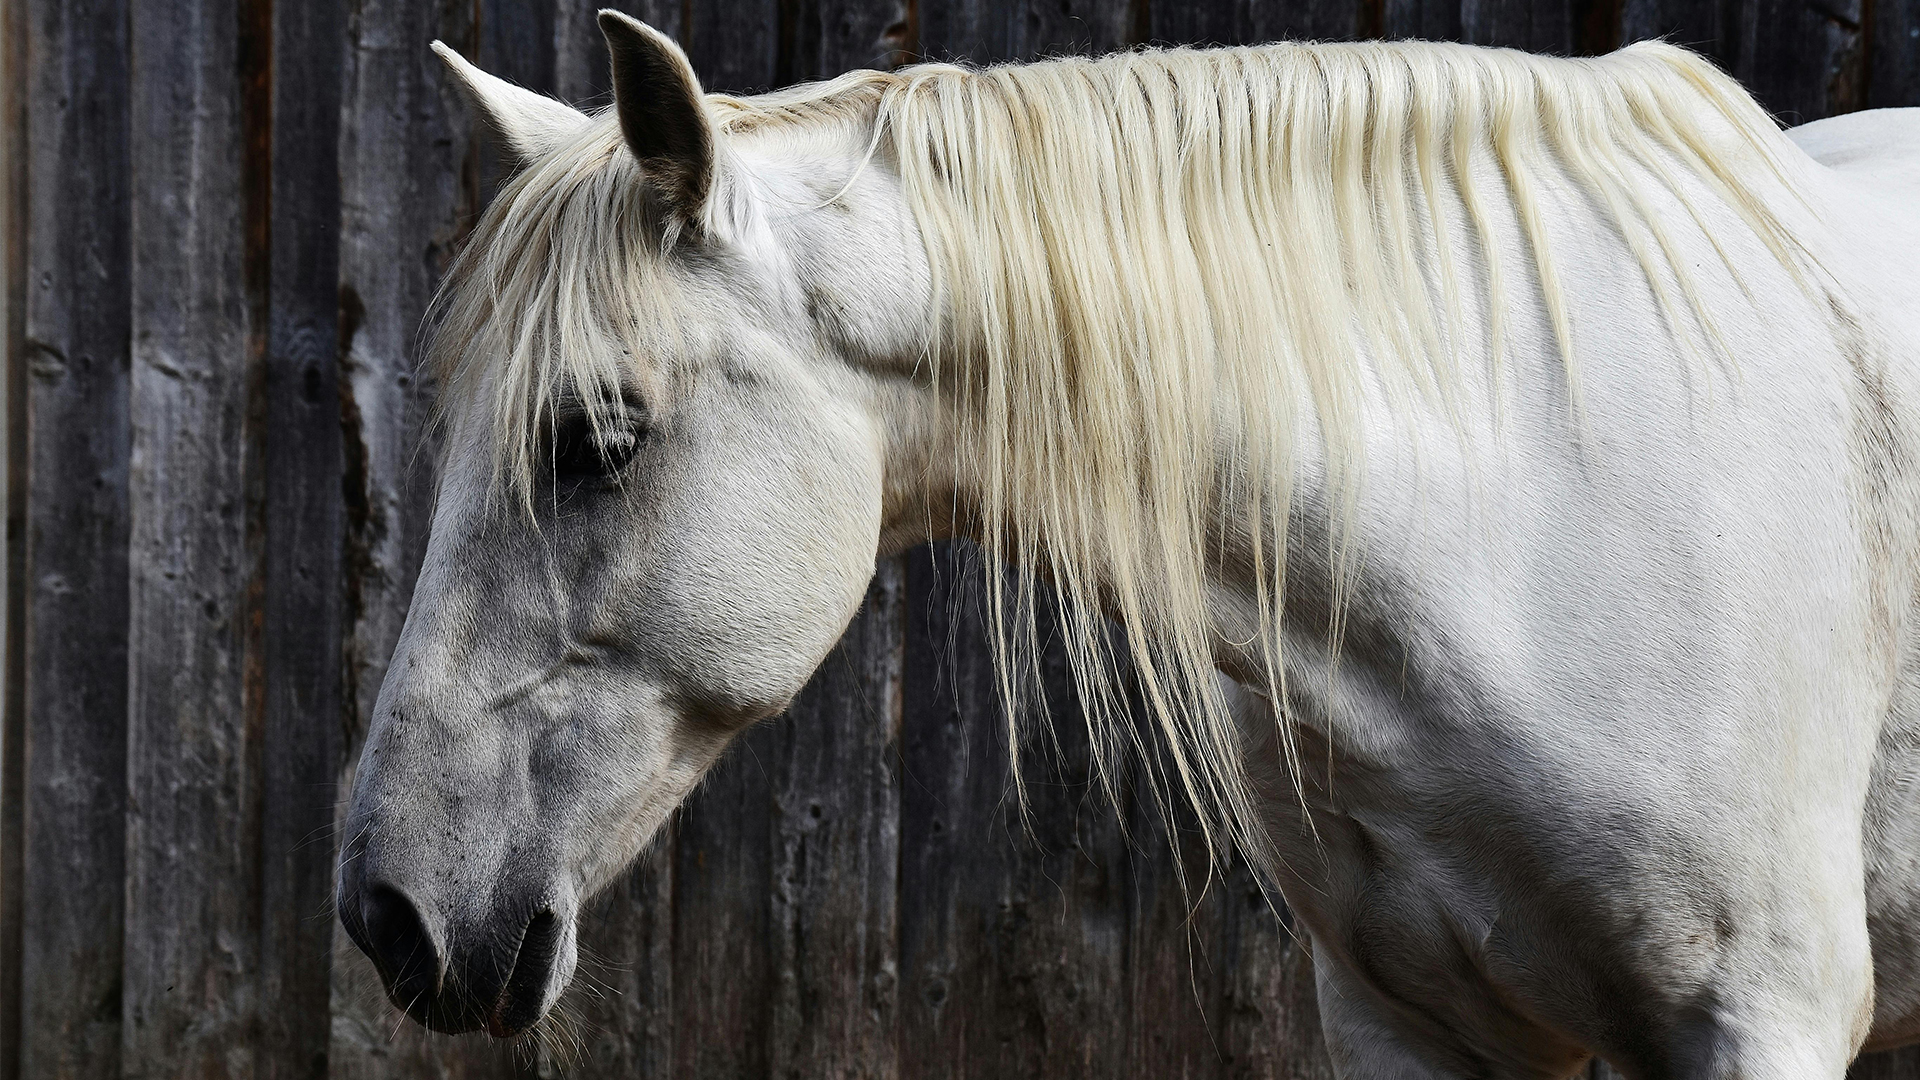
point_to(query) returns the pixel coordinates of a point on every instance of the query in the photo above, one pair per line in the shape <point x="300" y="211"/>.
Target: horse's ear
<point x="531" y="123"/>
<point x="661" y="114"/>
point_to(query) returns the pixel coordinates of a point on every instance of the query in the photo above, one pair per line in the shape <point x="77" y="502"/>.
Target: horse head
<point x="671" y="409"/>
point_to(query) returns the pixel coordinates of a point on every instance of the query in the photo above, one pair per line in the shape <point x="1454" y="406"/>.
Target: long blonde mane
<point x="1146" y="268"/>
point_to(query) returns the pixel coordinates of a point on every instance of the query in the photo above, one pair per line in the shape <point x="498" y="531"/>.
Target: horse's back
<point x="1881" y="145"/>
<point x="1867" y="194"/>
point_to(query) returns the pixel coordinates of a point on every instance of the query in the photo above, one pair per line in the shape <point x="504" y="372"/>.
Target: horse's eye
<point x="582" y="452"/>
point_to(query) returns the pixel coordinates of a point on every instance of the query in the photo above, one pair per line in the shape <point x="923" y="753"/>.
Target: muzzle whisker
<point x="404" y="1015"/>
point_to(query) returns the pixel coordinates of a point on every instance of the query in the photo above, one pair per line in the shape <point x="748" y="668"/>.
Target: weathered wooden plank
<point x="1074" y="861"/>
<point x="1248" y="22"/>
<point x="301" y="614"/>
<point x="75" y="570"/>
<point x="833" y="915"/>
<point x="580" y="51"/>
<point x="823" y="38"/>
<point x="783" y="878"/>
<point x="722" y="883"/>
<point x="734" y="46"/>
<point x="1705" y="26"/>
<point x="1012" y="935"/>
<point x="964" y="30"/>
<point x="1545" y="26"/>
<point x="408" y="191"/>
<point x="1219" y="985"/>
<point x="193" y="738"/>
<point x="1269" y="1018"/>
<point x="954" y="1021"/>
<point x="515" y="40"/>
<point x="1890" y="1065"/>
<point x="407" y="198"/>
<point x="1561" y="27"/>
<point x="836" y="855"/>
<point x="580" y="62"/>
<point x="1199" y="22"/>
<point x="1426" y="20"/>
<point x="1804" y="59"/>
<point x="1174" y="933"/>
<point x="1596" y="27"/>
<point x="1308" y="20"/>
<point x="13" y="445"/>
<point x="1894" y="56"/>
<point x="989" y="31"/>
<point x="621" y="1007"/>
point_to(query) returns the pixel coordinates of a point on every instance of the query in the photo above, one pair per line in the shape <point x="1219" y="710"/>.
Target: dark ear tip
<point x="619" y="23"/>
<point x="661" y="114"/>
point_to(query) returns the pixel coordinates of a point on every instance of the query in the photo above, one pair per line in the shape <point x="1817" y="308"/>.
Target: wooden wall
<point x="223" y="219"/>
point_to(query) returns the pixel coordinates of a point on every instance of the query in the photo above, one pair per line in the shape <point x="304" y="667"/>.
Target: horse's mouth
<point x="517" y="1007"/>
<point x="523" y="997"/>
<point x="504" y="992"/>
<point x="459" y="1006"/>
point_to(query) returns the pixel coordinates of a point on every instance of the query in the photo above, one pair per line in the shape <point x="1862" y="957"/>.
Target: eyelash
<point x="580" y="452"/>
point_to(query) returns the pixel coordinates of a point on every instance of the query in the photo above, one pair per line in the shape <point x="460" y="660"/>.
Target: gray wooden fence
<point x="223" y="219"/>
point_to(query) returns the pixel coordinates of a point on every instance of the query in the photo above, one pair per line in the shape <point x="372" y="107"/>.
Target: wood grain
<point x="620" y="1015"/>
<point x="193" y="721"/>
<point x="1893" y="55"/>
<point x="75" y="562"/>
<point x="734" y="46"/>
<point x="514" y="40"/>
<point x="13" y="617"/>
<point x="1704" y="26"/>
<point x="1889" y="1065"/>
<point x="1246" y="22"/>
<point x="722" y="881"/>
<point x="822" y="38"/>
<point x="986" y="31"/>
<point x="1804" y="59"/>
<point x="1013" y="933"/>
<point x="833" y="921"/>
<point x="303" y="589"/>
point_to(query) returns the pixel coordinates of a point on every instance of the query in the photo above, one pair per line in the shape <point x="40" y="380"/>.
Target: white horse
<point x="1534" y="440"/>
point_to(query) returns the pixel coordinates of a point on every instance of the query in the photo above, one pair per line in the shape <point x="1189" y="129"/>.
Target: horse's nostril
<point x="400" y="946"/>
<point x="524" y="995"/>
